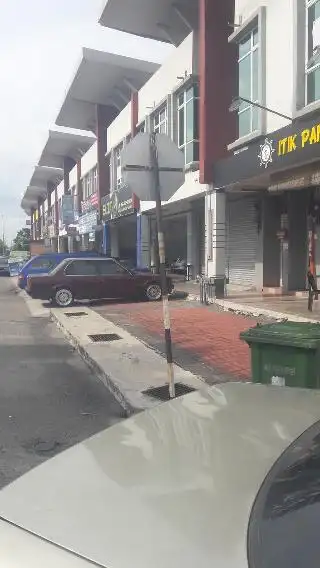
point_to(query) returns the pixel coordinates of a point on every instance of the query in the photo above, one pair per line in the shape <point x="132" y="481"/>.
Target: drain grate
<point x="162" y="393"/>
<point x="104" y="337"/>
<point x="75" y="314"/>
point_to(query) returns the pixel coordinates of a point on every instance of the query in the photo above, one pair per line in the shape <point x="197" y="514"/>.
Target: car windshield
<point x="284" y="524"/>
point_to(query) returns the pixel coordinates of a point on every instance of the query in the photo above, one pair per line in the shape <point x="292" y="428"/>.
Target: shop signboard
<point x="290" y="147"/>
<point x="90" y="204"/>
<point x="88" y="222"/>
<point x="67" y="210"/>
<point x="51" y="231"/>
<point x="119" y="204"/>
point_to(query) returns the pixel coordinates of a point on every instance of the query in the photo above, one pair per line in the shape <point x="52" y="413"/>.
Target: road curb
<point x="96" y="368"/>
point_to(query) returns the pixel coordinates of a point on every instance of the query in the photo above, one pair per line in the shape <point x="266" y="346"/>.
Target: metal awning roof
<point x="37" y="187"/>
<point x="163" y="20"/>
<point x="62" y="145"/>
<point x="105" y="79"/>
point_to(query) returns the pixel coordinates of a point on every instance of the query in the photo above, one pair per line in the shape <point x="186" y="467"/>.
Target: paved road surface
<point x="49" y="400"/>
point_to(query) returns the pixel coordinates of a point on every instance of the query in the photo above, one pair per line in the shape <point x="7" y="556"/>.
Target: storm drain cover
<point x="75" y="314"/>
<point x="104" y="337"/>
<point x="162" y="393"/>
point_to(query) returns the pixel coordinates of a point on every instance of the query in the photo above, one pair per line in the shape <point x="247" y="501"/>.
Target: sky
<point x="40" y="48"/>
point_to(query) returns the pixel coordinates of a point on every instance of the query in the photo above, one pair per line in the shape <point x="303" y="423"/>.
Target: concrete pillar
<point x="68" y="165"/>
<point x="84" y="242"/>
<point x="134" y="112"/>
<point x="298" y="239"/>
<point x="54" y="245"/>
<point x="56" y="210"/>
<point x="271" y="210"/>
<point x="62" y="244"/>
<point x="79" y="187"/>
<point x="217" y="66"/>
<point x="106" y="240"/>
<point x="104" y="116"/>
<point x="114" y="240"/>
<point x="143" y="242"/>
<point x="216" y="235"/>
<point x="193" y="244"/>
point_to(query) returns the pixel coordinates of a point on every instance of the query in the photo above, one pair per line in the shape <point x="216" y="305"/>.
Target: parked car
<point x="44" y="263"/>
<point x="228" y="477"/>
<point x="93" y="278"/>
<point x="4" y="266"/>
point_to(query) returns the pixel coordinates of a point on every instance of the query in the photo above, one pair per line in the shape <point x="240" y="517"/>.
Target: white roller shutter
<point x="242" y="236"/>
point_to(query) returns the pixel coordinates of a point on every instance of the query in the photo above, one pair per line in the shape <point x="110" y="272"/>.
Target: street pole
<point x="162" y="260"/>
<point x="3" y="248"/>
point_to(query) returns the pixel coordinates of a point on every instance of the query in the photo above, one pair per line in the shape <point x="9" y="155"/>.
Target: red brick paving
<point x="211" y="336"/>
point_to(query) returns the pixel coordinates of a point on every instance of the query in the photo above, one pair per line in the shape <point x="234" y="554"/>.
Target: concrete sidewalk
<point x="251" y="303"/>
<point x="126" y="366"/>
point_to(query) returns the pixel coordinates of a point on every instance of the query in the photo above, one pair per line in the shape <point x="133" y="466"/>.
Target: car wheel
<point x="153" y="292"/>
<point x="63" y="297"/>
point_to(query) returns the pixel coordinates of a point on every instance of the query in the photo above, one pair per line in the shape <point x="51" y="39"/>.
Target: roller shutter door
<point x="242" y="239"/>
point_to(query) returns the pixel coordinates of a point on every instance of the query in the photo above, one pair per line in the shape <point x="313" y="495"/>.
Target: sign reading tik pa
<point x="289" y="147"/>
<point x="119" y="204"/>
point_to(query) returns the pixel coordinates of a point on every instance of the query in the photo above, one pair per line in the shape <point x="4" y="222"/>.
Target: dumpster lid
<point x="296" y="334"/>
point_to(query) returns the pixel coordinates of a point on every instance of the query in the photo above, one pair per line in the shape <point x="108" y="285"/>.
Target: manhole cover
<point x="104" y="337"/>
<point x="162" y="393"/>
<point x="75" y="314"/>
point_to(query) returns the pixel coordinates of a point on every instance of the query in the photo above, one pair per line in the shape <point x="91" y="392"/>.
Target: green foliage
<point x="22" y="240"/>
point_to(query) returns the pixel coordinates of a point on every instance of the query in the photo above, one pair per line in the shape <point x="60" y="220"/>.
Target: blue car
<point x="44" y="263"/>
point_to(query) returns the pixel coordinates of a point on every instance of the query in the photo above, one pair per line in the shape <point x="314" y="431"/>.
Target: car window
<point x="284" y="523"/>
<point x="46" y="263"/>
<point x="82" y="268"/>
<point x="109" y="268"/>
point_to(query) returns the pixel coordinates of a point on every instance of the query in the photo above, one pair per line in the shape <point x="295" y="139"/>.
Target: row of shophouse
<point x="240" y="96"/>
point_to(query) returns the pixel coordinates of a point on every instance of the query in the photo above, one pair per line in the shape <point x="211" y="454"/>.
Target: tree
<point x="22" y="239"/>
<point x="4" y="249"/>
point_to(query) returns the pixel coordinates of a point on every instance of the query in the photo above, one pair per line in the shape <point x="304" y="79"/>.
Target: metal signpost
<point x="152" y="180"/>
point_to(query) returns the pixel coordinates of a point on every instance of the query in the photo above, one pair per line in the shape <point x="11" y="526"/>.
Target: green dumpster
<point x="285" y="354"/>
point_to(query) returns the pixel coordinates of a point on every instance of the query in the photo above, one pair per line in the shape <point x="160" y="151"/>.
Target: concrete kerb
<point x="92" y="364"/>
<point x="127" y="367"/>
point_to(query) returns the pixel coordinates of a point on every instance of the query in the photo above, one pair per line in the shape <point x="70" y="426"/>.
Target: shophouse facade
<point x="182" y="101"/>
<point x="271" y="177"/>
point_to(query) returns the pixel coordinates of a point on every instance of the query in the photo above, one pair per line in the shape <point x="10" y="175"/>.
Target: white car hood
<point x="168" y="488"/>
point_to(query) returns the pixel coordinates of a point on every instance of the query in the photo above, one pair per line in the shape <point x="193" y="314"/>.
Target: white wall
<point x="73" y="177"/>
<point x="164" y="81"/>
<point x="45" y="206"/>
<point x="60" y="189"/>
<point x="279" y="54"/>
<point x="89" y="160"/>
<point x="181" y="61"/>
<point x="119" y="128"/>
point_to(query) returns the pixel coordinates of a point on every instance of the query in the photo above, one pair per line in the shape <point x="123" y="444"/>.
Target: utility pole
<point x="3" y="245"/>
<point x="154" y="171"/>
<point x="153" y="167"/>
<point x="162" y="261"/>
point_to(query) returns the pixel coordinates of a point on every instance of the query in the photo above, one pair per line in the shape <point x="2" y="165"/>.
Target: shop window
<point x="109" y="268"/>
<point x="82" y="268"/>
<point x="90" y="183"/>
<point x="312" y="51"/>
<point x="118" y="171"/>
<point x="248" y="87"/>
<point x="160" y="121"/>
<point x="188" y="123"/>
<point x="141" y="127"/>
<point x="43" y="263"/>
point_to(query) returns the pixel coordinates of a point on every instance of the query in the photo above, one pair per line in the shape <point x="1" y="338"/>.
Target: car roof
<point x="173" y="486"/>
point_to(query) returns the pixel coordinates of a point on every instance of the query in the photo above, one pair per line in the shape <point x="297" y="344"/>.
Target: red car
<point x="94" y="278"/>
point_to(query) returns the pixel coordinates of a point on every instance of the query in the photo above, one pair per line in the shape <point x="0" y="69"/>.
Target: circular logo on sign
<point x="266" y="151"/>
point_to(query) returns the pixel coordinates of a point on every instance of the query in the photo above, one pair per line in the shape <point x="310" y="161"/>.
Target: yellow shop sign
<point x="298" y="141"/>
